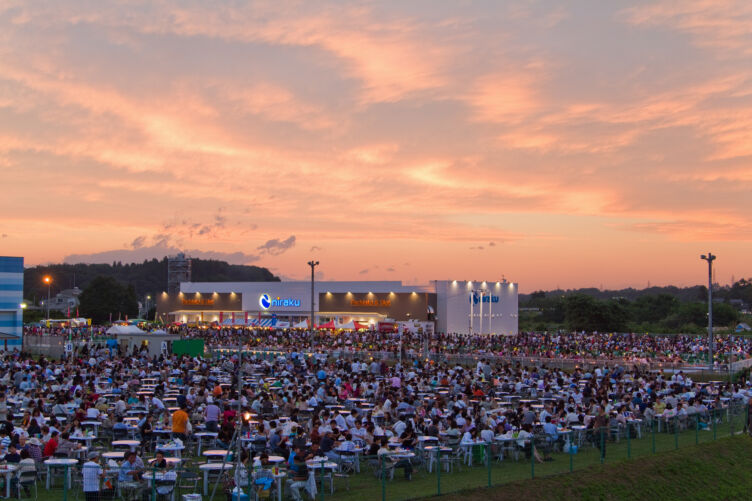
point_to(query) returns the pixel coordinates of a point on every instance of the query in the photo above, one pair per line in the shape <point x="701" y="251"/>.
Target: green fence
<point x="432" y="470"/>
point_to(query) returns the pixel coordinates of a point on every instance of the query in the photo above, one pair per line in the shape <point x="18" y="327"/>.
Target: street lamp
<point x="48" y="280"/>
<point x="313" y="265"/>
<point x="710" y="258"/>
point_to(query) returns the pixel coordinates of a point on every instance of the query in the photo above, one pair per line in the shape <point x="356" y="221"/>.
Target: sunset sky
<point x="556" y="144"/>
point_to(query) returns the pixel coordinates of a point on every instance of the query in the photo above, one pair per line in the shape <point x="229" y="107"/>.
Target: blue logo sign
<point x="486" y="299"/>
<point x="266" y="302"/>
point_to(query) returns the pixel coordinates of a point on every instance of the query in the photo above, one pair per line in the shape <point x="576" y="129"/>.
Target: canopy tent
<point x="347" y="326"/>
<point x="328" y="325"/>
<point x="302" y="325"/>
<point x="360" y="326"/>
<point x="743" y="327"/>
<point x="124" y="329"/>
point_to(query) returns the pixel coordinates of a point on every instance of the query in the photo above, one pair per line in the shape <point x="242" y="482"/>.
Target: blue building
<point x="11" y="297"/>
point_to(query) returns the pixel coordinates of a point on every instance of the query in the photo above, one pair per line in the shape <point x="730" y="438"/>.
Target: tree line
<point x="658" y="313"/>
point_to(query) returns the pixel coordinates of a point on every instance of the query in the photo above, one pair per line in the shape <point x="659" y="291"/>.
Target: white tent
<point x="124" y="329"/>
<point x="349" y="325"/>
<point x="302" y="325"/>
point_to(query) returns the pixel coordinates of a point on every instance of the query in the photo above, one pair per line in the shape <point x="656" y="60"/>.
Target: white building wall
<point x="498" y="317"/>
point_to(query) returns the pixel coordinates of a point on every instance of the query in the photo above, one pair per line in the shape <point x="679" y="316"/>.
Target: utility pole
<point x="48" y="281"/>
<point x="313" y="265"/>
<point x="710" y="258"/>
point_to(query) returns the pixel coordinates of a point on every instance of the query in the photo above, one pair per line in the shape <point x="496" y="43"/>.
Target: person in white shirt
<point x="399" y="428"/>
<point x="358" y="432"/>
<point x="157" y="404"/>
<point x="341" y="423"/>
<point x="92" y="472"/>
<point x="92" y="413"/>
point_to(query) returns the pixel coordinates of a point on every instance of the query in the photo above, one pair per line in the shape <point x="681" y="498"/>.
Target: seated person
<point x="65" y="445"/>
<point x="159" y="460"/>
<point x="299" y="480"/>
<point x="129" y="474"/>
<point x="386" y="455"/>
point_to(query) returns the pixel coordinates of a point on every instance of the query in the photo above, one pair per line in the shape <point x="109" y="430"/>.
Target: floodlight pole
<point x="313" y="265"/>
<point x="710" y="258"/>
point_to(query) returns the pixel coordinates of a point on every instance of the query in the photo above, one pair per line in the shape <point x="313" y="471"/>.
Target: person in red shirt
<point x="51" y="446"/>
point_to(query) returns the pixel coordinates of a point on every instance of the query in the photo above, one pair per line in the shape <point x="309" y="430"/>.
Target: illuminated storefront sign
<point x="198" y="302"/>
<point x="266" y="301"/>
<point x="373" y="303"/>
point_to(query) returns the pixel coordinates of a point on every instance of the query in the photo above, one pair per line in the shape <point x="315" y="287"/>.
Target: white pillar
<point x="480" y="315"/>
<point x="490" y="308"/>
<point x="472" y="297"/>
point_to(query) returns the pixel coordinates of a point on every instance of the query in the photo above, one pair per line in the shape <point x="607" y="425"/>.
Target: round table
<point x="209" y="467"/>
<point x="87" y="439"/>
<point x="132" y="444"/>
<point x="8" y="471"/>
<point x="216" y="454"/>
<point x="170" y="461"/>
<point x="204" y="434"/>
<point x="276" y="459"/>
<point x="174" y="448"/>
<point x="432" y="455"/>
<point x="113" y="455"/>
<point x="59" y="463"/>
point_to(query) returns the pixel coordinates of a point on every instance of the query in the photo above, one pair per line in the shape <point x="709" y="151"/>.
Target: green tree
<point x="105" y="296"/>
<point x="583" y="312"/>
<point x="653" y="308"/>
<point x="724" y="314"/>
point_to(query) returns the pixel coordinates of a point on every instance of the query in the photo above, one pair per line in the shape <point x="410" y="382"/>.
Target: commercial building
<point x="449" y="305"/>
<point x="11" y="297"/>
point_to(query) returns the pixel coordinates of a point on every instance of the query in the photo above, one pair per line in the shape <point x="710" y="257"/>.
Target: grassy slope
<point x="718" y="470"/>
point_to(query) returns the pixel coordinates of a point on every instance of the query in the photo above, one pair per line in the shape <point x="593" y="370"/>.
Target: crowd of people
<point x="299" y="406"/>
<point x="627" y="348"/>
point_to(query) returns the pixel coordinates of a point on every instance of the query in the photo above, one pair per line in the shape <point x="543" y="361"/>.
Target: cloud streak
<point x="375" y="132"/>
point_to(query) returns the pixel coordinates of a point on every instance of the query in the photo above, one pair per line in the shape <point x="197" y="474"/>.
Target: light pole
<point x="710" y="258"/>
<point x="48" y="280"/>
<point x="313" y="265"/>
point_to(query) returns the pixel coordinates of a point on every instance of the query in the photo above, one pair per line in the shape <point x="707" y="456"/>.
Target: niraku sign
<point x="266" y="302"/>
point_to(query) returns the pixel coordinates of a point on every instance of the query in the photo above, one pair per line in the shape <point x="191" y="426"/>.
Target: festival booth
<point x="156" y="342"/>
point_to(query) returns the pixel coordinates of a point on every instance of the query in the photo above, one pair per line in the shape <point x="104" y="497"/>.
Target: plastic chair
<point x="27" y="479"/>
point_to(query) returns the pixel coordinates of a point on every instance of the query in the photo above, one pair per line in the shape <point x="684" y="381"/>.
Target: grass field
<point x="669" y="465"/>
<point x="713" y="471"/>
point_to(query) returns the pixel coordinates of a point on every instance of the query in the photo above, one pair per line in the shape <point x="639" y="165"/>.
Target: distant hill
<point x="149" y="277"/>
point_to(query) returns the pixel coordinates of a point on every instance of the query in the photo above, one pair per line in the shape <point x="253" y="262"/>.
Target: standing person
<point x="600" y="430"/>
<point x="180" y="422"/>
<point x="212" y="414"/>
<point x="92" y="472"/>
